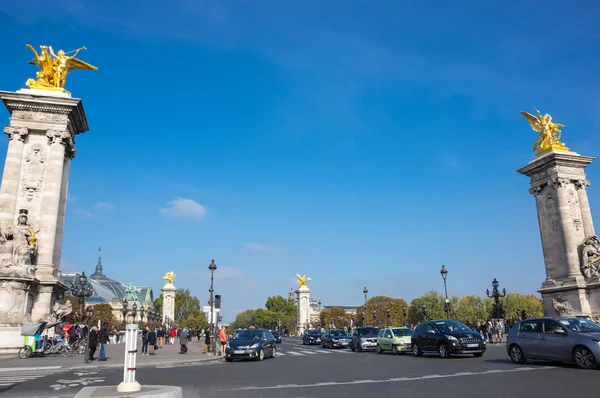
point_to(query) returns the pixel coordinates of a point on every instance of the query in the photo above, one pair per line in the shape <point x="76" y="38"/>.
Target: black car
<point x="311" y="337"/>
<point x="364" y="338"/>
<point x="446" y="338"/>
<point x="335" y="338"/>
<point x="276" y="335"/>
<point x="255" y="344"/>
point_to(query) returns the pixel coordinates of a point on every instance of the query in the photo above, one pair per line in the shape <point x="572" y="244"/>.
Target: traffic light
<point x="217" y="301"/>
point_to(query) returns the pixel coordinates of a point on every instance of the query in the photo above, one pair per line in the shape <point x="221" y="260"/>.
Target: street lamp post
<point x="124" y="311"/>
<point x="375" y="323"/>
<point x="89" y="314"/>
<point x="497" y="310"/>
<point x="388" y="313"/>
<point x="212" y="267"/>
<point x="363" y="319"/>
<point x="134" y="312"/>
<point x="365" y="292"/>
<point x="81" y="289"/>
<point x="404" y="310"/>
<point x="142" y="313"/>
<point x="444" y="273"/>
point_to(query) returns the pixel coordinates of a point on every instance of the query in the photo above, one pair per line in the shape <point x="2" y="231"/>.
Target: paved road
<point x="311" y="371"/>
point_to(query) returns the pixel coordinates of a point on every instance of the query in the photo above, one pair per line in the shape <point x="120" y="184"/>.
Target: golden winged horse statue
<point x="549" y="138"/>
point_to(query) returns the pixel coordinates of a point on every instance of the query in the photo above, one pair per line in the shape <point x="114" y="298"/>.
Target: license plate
<point x="472" y="345"/>
<point x="239" y="352"/>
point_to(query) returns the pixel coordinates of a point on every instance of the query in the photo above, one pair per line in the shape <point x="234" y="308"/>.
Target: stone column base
<point x="571" y="297"/>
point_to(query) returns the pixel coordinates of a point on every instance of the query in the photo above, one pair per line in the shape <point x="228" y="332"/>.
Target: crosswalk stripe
<point x="294" y="353"/>
<point x="280" y="354"/>
<point x="308" y="352"/>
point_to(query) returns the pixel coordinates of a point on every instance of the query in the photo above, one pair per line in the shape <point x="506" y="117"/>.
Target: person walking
<point x="152" y="340"/>
<point x="207" y="341"/>
<point x="145" y="340"/>
<point x="161" y="335"/>
<point x="499" y="331"/>
<point x="103" y="340"/>
<point x="183" y="342"/>
<point x="223" y="339"/>
<point x="172" y="334"/>
<point x="93" y="342"/>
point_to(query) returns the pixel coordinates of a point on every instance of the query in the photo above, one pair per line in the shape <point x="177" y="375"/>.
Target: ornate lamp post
<point x="365" y="292"/>
<point x="124" y="311"/>
<point x="375" y="323"/>
<point x="319" y="302"/>
<point x="212" y="267"/>
<point x="497" y="310"/>
<point x="89" y="314"/>
<point x="81" y="289"/>
<point x="404" y="310"/>
<point x="134" y="312"/>
<point x="142" y="313"/>
<point x="444" y="273"/>
<point x="363" y="318"/>
<point x="388" y="314"/>
<point x="424" y="311"/>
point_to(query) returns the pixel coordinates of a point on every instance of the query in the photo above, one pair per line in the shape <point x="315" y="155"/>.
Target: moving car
<point x="255" y="344"/>
<point x="311" y="337"/>
<point x="446" y="337"/>
<point x="335" y="338"/>
<point x="276" y="335"/>
<point x="394" y="339"/>
<point x="561" y="339"/>
<point x="364" y="338"/>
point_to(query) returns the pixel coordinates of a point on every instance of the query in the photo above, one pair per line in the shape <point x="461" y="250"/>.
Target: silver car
<point x="560" y="339"/>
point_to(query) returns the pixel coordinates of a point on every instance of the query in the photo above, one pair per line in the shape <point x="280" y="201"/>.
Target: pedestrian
<point x="223" y="338"/>
<point x="103" y="340"/>
<point x="172" y="334"/>
<point x="491" y="330"/>
<point x="145" y="340"/>
<point x="152" y="340"/>
<point x="499" y="330"/>
<point x="199" y="335"/>
<point x="183" y="342"/>
<point x="161" y="335"/>
<point x="207" y="341"/>
<point x="93" y="342"/>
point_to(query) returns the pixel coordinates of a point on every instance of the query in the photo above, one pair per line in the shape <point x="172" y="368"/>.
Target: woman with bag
<point x="152" y="340"/>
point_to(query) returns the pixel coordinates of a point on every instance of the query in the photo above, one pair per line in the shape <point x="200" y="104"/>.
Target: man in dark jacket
<point x="103" y="339"/>
<point x="93" y="342"/>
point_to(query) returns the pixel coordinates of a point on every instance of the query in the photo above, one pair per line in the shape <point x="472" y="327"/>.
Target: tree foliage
<point x="334" y="318"/>
<point x="374" y="312"/>
<point x="103" y="313"/>
<point x="243" y="320"/>
<point x="514" y="302"/>
<point x="187" y="309"/>
<point x="279" y="314"/>
<point x="434" y="308"/>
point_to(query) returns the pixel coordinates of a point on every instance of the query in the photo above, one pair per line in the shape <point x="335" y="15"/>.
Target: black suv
<point x="311" y="337"/>
<point x="446" y="338"/>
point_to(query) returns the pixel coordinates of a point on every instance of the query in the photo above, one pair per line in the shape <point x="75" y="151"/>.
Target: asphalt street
<point x="311" y="371"/>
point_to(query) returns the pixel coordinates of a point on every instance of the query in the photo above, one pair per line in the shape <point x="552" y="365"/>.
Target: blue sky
<point x="362" y="143"/>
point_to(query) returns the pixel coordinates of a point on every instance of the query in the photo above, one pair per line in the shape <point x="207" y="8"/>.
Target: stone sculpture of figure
<point x="590" y="257"/>
<point x="169" y="277"/>
<point x="62" y="310"/>
<point x="302" y="280"/>
<point x="132" y="292"/>
<point x="18" y="244"/>
<point x="562" y="306"/>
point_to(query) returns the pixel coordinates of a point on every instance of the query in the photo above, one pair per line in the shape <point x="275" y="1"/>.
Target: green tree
<point x="514" y="302"/>
<point x="434" y="305"/>
<point x="334" y="317"/>
<point x="284" y="306"/>
<point x="265" y="319"/>
<point x="103" y="313"/>
<point x="470" y="309"/>
<point x="243" y="320"/>
<point x="379" y="306"/>
<point x="195" y="321"/>
<point x="185" y="304"/>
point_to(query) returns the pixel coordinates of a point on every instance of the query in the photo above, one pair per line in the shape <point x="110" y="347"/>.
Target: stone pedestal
<point x="168" y="309"/>
<point x="558" y="183"/>
<point x="303" y="317"/>
<point x="33" y="197"/>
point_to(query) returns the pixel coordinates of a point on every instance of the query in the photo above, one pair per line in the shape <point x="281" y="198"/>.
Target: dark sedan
<point x="335" y="338"/>
<point x="276" y="335"/>
<point x="311" y="337"/>
<point x="255" y="344"/>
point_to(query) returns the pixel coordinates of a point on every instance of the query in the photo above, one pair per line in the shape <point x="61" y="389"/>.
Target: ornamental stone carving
<point x="575" y="210"/>
<point x="582" y="184"/>
<point x="64" y="138"/>
<point x="42" y="116"/>
<point x="537" y="191"/>
<point x="13" y="296"/>
<point x="18" y="248"/>
<point x="562" y="306"/>
<point x="35" y="170"/>
<point x="569" y="170"/>
<point x="589" y="256"/>
<point x="60" y="311"/>
<point x="539" y="176"/>
<point x="16" y="132"/>
<point x="560" y="182"/>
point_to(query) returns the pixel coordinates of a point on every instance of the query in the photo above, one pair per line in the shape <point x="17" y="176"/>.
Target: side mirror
<point x="432" y="332"/>
<point x="560" y="332"/>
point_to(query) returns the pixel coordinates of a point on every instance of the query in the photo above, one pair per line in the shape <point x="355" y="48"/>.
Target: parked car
<point x="394" y="339"/>
<point x="251" y="344"/>
<point x="560" y="339"/>
<point x="364" y="338"/>
<point x="276" y="335"/>
<point x="311" y="337"/>
<point x="335" y="338"/>
<point x="446" y="337"/>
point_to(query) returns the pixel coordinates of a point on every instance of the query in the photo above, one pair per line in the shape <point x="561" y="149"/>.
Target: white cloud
<point x="186" y="208"/>
<point x="256" y="247"/>
<point x="84" y="213"/>
<point x="105" y="206"/>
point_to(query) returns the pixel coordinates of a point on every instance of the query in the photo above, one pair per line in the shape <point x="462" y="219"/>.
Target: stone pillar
<point x="168" y="309"/>
<point x="41" y="145"/>
<point x="303" y="309"/>
<point x="558" y="181"/>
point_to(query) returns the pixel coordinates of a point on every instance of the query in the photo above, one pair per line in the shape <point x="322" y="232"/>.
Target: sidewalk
<point x="168" y="355"/>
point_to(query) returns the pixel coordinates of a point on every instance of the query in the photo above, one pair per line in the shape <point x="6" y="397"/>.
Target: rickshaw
<point x="37" y="341"/>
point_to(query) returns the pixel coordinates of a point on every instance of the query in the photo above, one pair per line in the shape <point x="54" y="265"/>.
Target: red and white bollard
<point x="129" y="383"/>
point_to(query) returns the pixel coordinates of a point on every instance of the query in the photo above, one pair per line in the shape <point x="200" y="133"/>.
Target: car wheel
<point x="274" y="352"/>
<point x="379" y="350"/>
<point x="228" y="359"/>
<point x="323" y="344"/>
<point x="352" y="348"/>
<point x="261" y="355"/>
<point x="517" y="355"/>
<point x="416" y="350"/>
<point x="25" y="352"/>
<point x="478" y="354"/>
<point x="443" y="351"/>
<point x="584" y="358"/>
<point x="303" y="342"/>
<point x="330" y="345"/>
<point x="394" y="350"/>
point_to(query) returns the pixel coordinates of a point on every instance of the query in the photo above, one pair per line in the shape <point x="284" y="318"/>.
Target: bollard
<point x="129" y="383"/>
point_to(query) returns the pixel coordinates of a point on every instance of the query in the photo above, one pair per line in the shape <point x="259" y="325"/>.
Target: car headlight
<point x="363" y="340"/>
<point x="227" y="345"/>
<point x="402" y="342"/>
<point x="452" y="338"/>
<point x="255" y="345"/>
<point x="596" y="341"/>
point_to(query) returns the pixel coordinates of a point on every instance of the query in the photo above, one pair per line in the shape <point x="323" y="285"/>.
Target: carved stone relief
<point x="13" y="298"/>
<point x="582" y="184"/>
<point x="560" y="182"/>
<point x="16" y="132"/>
<point x="569" y="170"/>
<point x="589" y="257"/>
<point x="64" y="138"/>
<point x="35" y="170"/>
<point x="562" y="306"/>
<point x="575" y="210"/>
<point x="539" y="176"/>
<point x="41" y="116"/>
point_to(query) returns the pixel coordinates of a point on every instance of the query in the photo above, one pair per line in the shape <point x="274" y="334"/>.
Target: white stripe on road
<point x="308" y="352"/>
<point x="398" y="379"/>
<point x="294" y="353"/>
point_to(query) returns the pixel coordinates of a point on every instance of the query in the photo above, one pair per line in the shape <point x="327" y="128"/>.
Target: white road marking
<point x="393" y="380"/>
<point x="308" y="352"/>
<point x="8" y="378"/>
<point x="294" y="353"/>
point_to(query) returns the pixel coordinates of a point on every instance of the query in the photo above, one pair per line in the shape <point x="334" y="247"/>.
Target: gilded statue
<point x="54" y="68"/>
<point x="549" y="138"/>
<point x="302" y="280"/>
<point x="169" y="277"/>
<point x="33" y="237"/>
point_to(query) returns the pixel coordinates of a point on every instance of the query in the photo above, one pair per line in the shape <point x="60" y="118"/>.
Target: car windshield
<point x="366" y="331"/>
<point x="580" y="325"/>
<point x="247" y="335"/>
<point x="402" y="332"/>
<point x="314" y="333"/>
<point x="275" y="333"/>
<point x="451" y="326"/>
<point x="338" y="333"/>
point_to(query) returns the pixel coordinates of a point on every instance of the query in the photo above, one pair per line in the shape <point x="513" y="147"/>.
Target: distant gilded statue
<point x="132" y="292"/>
<point x="169" y="277"/>
<point x="550" y="133"/>
<point x="302" y="280"/>
<point x="54" y="67"/>
<point x="18" y="244"/>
